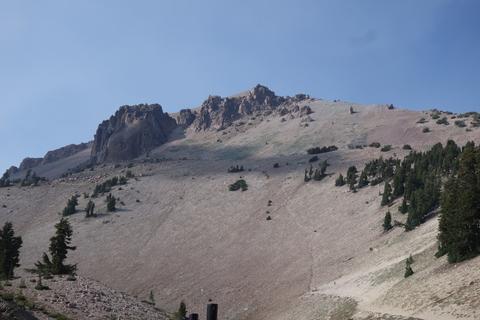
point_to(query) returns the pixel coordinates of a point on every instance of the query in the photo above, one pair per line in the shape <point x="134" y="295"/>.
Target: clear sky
<point x="67" y="65"/>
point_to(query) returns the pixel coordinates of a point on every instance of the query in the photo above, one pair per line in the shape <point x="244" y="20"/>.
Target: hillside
<point x="180" y="232"/>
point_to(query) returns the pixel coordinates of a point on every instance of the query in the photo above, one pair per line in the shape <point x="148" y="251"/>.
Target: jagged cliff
<point x="132" y="131"/>
<point x="218" y="113"/>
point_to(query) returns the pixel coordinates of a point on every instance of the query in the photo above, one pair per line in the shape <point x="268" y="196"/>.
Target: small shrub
<point x="239" y="184"/>
<point x="318" y="150"/>
<point x="276" y="165"/>
<point x="375" y="145"/>
<point x="443" y="121"/>
<point x="422" y="120"/>
<point x="426" y="129"/>
<point x="234" y="169"/>
<point x="460" y="123"/>
<point x="386" y="148"/>
<point x="407" y="147"/>
<point x="408" y="269"/>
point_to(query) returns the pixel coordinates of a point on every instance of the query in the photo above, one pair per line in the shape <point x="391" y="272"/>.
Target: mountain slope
<point x="183" y="235"/>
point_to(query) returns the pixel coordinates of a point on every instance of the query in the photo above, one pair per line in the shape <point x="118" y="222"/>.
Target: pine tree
<point x="387" y="221"/>
<point x="59" y="247"/>
<point x="9" y="251"/>
<point x="363" y="180"/>
<point x="387" y="195"/>
<point x="352" y="177"/>
<point x="340" y="181"/>
<point x="90" y="208"/>
<point x="111" y="202"/>
<point x="181" y="314"/>
<point x="408" y="269"/>
<point x="403" y="207"/>
<point x="151" y="298"/>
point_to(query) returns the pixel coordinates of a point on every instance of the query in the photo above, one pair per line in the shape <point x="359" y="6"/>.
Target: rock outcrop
<point x="64" y="152"/>
<point x="185" y="117"/>
<point x="131" y="132"/>
<point x="29" y="163"/>
<point x="218" y="113"/>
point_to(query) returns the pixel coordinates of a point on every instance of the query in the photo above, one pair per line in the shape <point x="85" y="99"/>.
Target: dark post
<point x="212" y="311"/>
<point x="193" y="316"/>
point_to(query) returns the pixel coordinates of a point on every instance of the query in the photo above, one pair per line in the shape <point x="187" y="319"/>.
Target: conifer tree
<point x="90" y="208"/>
<point x="340" y="181"/>
<point x="9" y="251"/>
<point x="387" y="194"/>
<point x="181" y="313"/>
<point x="408" y="269"/>
<point x="387" y="221"/>
<point x="352" y="177"/>
<point x="59" y="247"/>
<point x="403" y="207"/>
<point x="362" y="180"/>
<point x="111" y="203"/>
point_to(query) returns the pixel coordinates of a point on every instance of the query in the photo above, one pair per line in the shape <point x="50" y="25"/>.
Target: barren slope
<point x="188" y="237"/>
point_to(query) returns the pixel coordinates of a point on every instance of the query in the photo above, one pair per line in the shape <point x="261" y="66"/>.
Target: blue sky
<point x="67" y="65"/>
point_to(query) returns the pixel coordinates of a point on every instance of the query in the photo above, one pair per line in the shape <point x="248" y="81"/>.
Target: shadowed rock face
<point x="218" y="113"/>
<point x="185" y="117"/>
<point x="29" y="163"/>
<point x="131" y="132"/>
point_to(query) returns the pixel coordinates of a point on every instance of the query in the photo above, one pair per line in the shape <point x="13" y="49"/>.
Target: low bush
<point x="386" y="148"/>
<point x="375" y="145"/>
<point x="318" y="150"/>
<point x="239" y="184"/>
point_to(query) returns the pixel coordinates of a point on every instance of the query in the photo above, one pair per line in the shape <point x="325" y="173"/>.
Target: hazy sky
<point x="67" y="65"/>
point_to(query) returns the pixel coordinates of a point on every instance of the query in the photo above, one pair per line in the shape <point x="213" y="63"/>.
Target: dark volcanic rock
<point x="185" y="117"/>
<point x="64" y="152"/>
<point x="29" y="163"/>
<point x="219" y="113"/>
<point x="131" y="132"/>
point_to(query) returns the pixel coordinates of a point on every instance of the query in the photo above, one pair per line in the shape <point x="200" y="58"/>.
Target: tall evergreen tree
<point x="111" y="203"/>
<point x="9" y="251"/>
<point x="340" y="181"/>
<point x="387" y="221"/>
<point x="362" y="180"/>
<point x="352" y="177"/>
<point x="59" y="247"/>
<point x="387" y="195"/>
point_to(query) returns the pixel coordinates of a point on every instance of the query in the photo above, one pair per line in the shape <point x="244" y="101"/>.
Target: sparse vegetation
<point x="318" y="150"/>
<point x="234" y="169"/>
<point x="71" y="207"/>
<point x="443" y="121"/>
<point x="318" y="174"/>
<point x="108" y="185"/>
